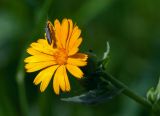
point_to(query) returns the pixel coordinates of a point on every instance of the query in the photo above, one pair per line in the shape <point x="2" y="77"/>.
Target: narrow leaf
<point x="94" y="96"/>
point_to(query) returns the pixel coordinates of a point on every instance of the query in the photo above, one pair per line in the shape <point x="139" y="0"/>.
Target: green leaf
<point x="104" y="61"/>
<point x="101" y="94"/>
<point x="153" y="95"/>
<point x="106" y="53"/>
<point x="158" y="90"/>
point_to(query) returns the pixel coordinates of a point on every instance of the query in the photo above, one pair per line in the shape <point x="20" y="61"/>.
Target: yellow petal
<point x="47" y="77"/>
<point x="32" y="67"/>
<point x="32" y="51"/>
<point x="44" y="48"/>
<point x="57" y="26"/>
<point x="64" y="32"/>
<point x="75" y="71"/>
<point x="61" y="80"/>
<point x="80" y="56"/>
<point x="67" y="84"/>
<point x="44" y="76"/>
<point x="70" y="27"/>
<point x="73" y="51"/>
<point x="39" y="58"/>
<point x="75" y="46"/>
<point x="43" y="42"/>
<point x="76" y="62"/>
<point x="77" y="42"/>
<point x="74" y="37"/>
<point x="70" y="32"/>
<point x="56" y="84"/>
<point x="59" y="74"/>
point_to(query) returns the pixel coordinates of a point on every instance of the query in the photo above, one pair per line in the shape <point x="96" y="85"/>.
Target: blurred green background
<point x="132" y="28"/>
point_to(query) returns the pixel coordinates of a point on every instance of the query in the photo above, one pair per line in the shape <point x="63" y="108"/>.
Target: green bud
<point x="153" y="95"/>
<point x="92" y="81"/>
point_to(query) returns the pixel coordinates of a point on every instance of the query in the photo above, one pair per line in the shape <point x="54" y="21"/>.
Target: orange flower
<point x="56" y="54"/>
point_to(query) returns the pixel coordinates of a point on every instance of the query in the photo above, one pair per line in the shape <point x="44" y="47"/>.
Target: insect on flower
<point x="57" y="54"/>
<point x="49" y="32"/>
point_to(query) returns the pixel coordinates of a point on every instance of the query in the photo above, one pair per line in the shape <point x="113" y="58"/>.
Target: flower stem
<point x="21" y="90"/>
<point x="128" y="92"/>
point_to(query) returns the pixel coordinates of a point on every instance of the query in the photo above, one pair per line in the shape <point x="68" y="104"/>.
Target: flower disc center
<point x="61" y="56"/>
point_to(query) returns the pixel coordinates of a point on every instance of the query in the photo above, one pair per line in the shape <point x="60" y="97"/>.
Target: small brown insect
<point x="50" y="34"/>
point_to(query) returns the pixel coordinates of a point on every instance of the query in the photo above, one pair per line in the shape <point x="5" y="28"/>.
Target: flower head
<point x="56" y="54"/>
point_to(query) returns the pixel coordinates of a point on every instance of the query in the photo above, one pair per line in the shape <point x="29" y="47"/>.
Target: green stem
<point x="128" y="92"/>
<point x="22" y="92"/>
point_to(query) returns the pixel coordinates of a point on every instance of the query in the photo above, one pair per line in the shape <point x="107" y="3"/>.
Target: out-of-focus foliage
<point x="132" y="28"/>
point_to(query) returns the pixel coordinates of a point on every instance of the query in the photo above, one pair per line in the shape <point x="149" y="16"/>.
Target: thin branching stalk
<point x="126" y="91"/>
